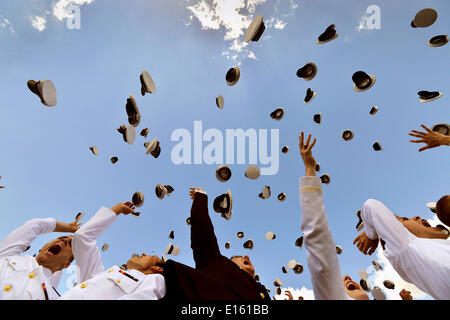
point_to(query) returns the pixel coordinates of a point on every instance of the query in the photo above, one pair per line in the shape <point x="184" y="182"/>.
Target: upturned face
<point x="245" y="264"/>
<point x="353" y="289"/>
<point x="145" y="264"/>
<point x="421" y="228"/>
<point x="56" y="254"/>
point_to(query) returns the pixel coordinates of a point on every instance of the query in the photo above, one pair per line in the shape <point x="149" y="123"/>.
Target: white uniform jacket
<point x="423" y="262"/>
<point x="117" y="284"/>
<point x="21" y="277"/>
<point x="321" y="250"/>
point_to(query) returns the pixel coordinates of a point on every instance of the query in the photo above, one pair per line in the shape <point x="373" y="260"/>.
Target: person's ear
<point x="156" y="269"/>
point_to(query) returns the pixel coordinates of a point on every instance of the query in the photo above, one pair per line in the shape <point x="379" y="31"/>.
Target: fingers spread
<point x="423" y="126"/>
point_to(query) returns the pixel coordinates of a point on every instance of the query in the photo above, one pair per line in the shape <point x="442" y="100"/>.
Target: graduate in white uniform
<point x="418" y="252"/>
<point x="323" y="263"/>
<point x="23" y="277"/>
<point x="140" y="281"/>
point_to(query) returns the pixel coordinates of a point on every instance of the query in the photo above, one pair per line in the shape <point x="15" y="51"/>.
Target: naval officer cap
<point x="227" y="245"/>
<point x="363" y="81"/>
<point x="427" y="96"/>
<point x="291" y="264"/>
<point x="278" y="114"/>
<point x="363" y="274"/>
<point x="130" y="134"/>
<point x="114" y="160"/>
<point x="265" y="194"/>
<point x="171" y="249"/>
<point x="317" y="118"/>
<point x="317" y="167"/>
<point x="252" y="172"/>
<point x="220" y="102"/>
<point x="278" y="290"/>
<point x="364" y="284"/>
<point x="338" y="250"/>
<point x="310" y="94"/>
<point x="328" y="35"/>
<point x="432" y="206"/>
<point x="240" y="235"/>
<point x="134" y="116"/>
<point x="153" y="147"/>
<point x="270" y="236"/>
<point x="223" y="204"/>
<point x="255" y="29"/>
<point x="298" y="268"/>
<point x="424" y="18"/>
<point x="308" y="71"/>
<point x="373" y="110"/>
<point x="171" y="235"/>
<point x="283" y="269"/>
<point x="232" y="76"/>
<point x="144" y="132"/>
<point x="377" y="293"/>
<point x="285" y="149"/>
<point x="223" y="173"/>
<point x="188" y="221"/>
<point x="438" y="41"/>
<point x="138" y="199"/>
<point x="147" y="83"/>
<point x="299" y="242"/>
<point x="161" y="191"/>
<point x="325" y="178"/>
<point x="347" y="135"/>
<point x="389" y="284"/>
<point x="443" y="128"/>
<point x="105" y="247"/>
<point x="277" y="283"/>
<point x="45" y="90"/>
<point x="376" y="266"/>
<point x="377" y="146"/>
<point x="282" y="197"/>
<point x="248" y="244"/>
<point x="79" y="216"/>
<point x="360" y="224"/>
<point x="94" y="150"/>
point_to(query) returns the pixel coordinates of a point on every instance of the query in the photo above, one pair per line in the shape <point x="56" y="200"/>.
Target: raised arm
<point x="18" y="240"/>
<point x="321" y="250"/>
<point x="84" y="243"/>
<point x="380" y="223"/>
<point x="203" y="239"/>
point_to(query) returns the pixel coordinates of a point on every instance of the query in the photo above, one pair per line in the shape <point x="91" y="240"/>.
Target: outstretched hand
<point x="71" y="227"/>
<point x="365" y="244"/>
<point x="306" y="154"/>
<point x="432" y="139"/>
<point x="193" y="190"/>
<point x="124" y="208"/>
<point x="288" y="295"/>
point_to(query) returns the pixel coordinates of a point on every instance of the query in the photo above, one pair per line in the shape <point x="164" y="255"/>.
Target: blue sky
<point x="48" y="169"/>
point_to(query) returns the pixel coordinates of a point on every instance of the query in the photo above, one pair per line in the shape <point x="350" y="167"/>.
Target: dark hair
<point x="443" y="209"/>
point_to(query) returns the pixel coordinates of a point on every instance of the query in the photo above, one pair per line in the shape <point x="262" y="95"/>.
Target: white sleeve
<point x="380" y="222"/>
<point x="18" y="240"/>
<point x="321" y="250"/>
<point x="153" y="288"/>
<point x="84" y="244"/>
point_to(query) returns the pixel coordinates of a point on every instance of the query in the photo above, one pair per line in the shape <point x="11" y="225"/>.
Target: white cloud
<point x="234" y="17"/>
<point x="6" y="25"/>
<point x="303" y="292"/>
<point x="39" y="23"/>
<point x="60" y="7"/>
